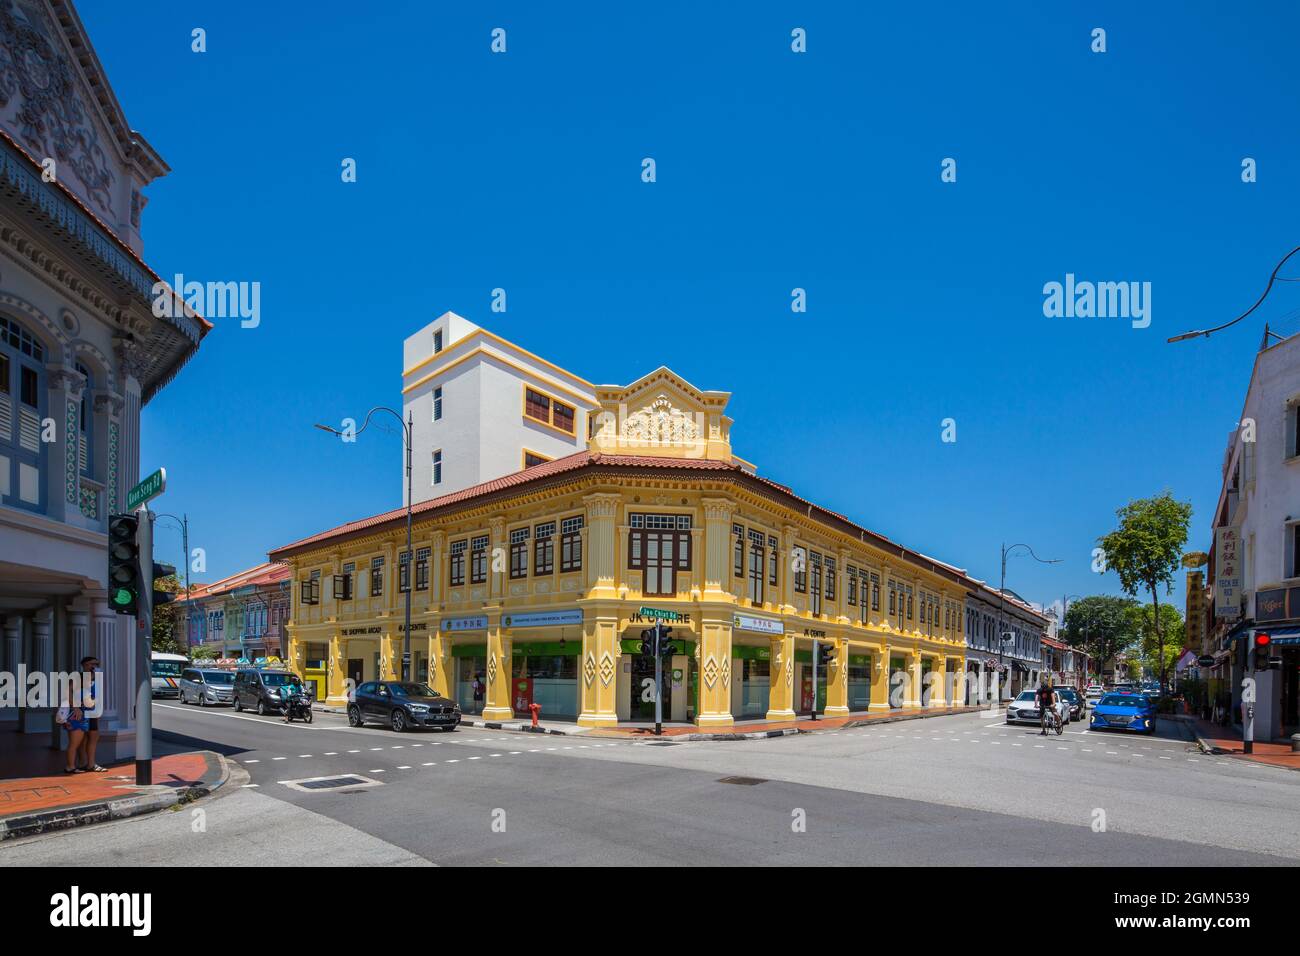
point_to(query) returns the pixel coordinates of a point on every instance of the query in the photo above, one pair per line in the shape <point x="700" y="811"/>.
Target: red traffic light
<point x="1262" y="640"/>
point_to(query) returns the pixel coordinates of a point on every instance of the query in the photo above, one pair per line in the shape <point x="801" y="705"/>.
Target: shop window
<point x="422" y="569"/>
<point x="571" y="544"/>
<point x="519" y="553"/>
<point x="478" y="550"/>
<point x="659" y="555"/>
<point x="456" y="563"/>
<point x="544" y="548"/>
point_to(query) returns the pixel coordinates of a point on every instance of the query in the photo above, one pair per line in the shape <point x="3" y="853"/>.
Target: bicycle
<point x="1051" y="720"/>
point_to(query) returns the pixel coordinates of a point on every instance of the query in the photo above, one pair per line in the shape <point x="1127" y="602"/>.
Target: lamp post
<point x="1002" y="593"/>
<point x="408" y="431"/>
<point x="184" y="523"/>
<point x="1268" y="288"/>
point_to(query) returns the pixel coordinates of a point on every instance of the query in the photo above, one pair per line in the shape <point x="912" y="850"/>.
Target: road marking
<point x="354" y="751"/>
<point x="373" y="749"/>
<point x="453" y="761"/>
<point x="407" y="767"/>
<point x="1087" y="750"/>
<point x="494" y="755"/>
<point x="1164" y="758"/>
<point x="475" y="758"/>
<point x="331" y="753"/>
<point x="431" y="763"/>
<point x="515" y="753"/>
<point x="376" y="771"/>
<point x="304" y="755"/>
<point x="279" y="758"/>
<point x="1113" y="753"/>
<point x="255" y="760"/>
<point x="251" y="786"/>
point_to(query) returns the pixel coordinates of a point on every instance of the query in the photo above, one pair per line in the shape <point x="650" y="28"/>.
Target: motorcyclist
<point x="1046" y="706"/>
<point x="288" y="691"/>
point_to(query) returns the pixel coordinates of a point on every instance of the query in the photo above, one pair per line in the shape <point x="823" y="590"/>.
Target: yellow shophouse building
<point x="532" y="586"/>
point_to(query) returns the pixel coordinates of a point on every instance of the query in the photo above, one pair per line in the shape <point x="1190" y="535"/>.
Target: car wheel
<point x="448" y="729"/>
<point x="354" y="716"/>
<point x="203" y="700"/>
<point x="398" y="719"/>
<point x="239" y="705"/>
<point x="261" y="708"/>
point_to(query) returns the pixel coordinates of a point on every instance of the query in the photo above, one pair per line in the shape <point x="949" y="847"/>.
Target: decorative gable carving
<point x="662" y="415"/>
<point x="42" y="103"/>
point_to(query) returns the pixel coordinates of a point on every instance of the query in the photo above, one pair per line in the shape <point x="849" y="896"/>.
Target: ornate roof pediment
<point x="662" y="415"/>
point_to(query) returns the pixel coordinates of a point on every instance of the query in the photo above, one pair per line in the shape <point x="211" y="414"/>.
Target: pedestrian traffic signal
<point x="124" y="564"/>
<point x="666" y="649"/>
<point x="161" y="570"/>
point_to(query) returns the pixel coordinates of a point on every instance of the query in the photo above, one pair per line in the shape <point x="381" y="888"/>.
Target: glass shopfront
<point x="755" y="681"/>
<point x="859" y="681"/>
<point x="545" y="674"/>
<point x="471" y="678"/>
<point x="898" y="689"/>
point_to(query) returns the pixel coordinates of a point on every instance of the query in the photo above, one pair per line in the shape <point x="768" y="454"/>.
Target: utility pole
<point x="659" y="677"/>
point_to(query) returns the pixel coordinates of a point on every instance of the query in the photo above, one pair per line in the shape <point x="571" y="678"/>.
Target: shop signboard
<point x="477" y="622"/>
<point x="763" y="625"/>
<point x="543" y="618"/>
<point x="1227" y="572"/>
<point x="1270" y="605"/>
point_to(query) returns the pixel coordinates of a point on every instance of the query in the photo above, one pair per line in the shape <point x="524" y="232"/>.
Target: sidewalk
<point x="32" y="805"/>
<point x="742" y="730"/>
<point x="1214" y="739"/>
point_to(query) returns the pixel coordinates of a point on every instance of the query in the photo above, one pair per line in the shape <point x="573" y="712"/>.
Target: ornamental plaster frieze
<point x="53" y="268"/>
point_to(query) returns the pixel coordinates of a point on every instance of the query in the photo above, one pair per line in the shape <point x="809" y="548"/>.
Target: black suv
<point x="402" y="704"/>
<point x="263" y="691"/>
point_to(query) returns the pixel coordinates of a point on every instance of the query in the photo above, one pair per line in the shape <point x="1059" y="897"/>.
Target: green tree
<point x="166" y="635"/>
<point x="206" y="652"/>
<point x="1157" y="657"/>
<point x="1103" y="625"/>
<point x="1145" y="551"/>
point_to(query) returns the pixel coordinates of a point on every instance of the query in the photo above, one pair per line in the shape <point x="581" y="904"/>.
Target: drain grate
<point x="336" y="782"/>
<point x="743" y="781"/>
<point x="327" y="783"/>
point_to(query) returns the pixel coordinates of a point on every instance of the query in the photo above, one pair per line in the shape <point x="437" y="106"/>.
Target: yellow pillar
<point x="880" y="678"/>
<point x="337" y="692"/>
<point x="714" y="662"/>
<point x="440" y="678"/>
<point x="780" y="704"/>
<point x="598" y="669"/>
<point x="912" y="689"/>
<point x="496" y="702"/>
<point x="837" y="681"/>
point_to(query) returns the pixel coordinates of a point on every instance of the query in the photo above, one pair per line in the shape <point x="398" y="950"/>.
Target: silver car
<point x="1024" y="709"/>
<point x="206" y="686"/>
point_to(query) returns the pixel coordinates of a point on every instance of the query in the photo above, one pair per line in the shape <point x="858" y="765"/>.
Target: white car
<point x="1092" y="695"/>
<point x="1024" y="709"/>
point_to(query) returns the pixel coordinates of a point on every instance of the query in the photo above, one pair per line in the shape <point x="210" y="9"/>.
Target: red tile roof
<point x="264" y="573"/>
<point x="584" y="459"/>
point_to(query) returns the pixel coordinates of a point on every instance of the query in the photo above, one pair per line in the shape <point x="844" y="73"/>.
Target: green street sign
<point x="655" y="613"/>
<point x="147" y="490"/>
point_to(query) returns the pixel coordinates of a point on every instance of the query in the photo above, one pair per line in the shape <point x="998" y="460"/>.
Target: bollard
<point x="1295" y="743"/>
<point x="535" y="709"/>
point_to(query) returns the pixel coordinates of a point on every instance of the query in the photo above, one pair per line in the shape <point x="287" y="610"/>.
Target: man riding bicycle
<point x="1046" y="707"/>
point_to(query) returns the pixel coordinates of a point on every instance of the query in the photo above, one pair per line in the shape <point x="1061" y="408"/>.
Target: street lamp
<point x="184" y="523"/>
<point x="1218" y="328"/>
<point x="408" y="430"/>
<point x="1002" y="593"/>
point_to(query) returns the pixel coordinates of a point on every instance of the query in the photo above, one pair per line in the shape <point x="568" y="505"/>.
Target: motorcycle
<point x="298" y="707"/>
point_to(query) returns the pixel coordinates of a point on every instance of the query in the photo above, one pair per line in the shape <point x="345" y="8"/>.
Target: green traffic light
<point x="122" y="596"/>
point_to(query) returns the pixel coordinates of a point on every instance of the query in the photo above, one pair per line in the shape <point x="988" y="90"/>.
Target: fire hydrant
<point x="535" y="709"/>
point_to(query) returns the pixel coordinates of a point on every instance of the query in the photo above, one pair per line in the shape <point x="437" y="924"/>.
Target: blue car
<point x="1124" y="712"/>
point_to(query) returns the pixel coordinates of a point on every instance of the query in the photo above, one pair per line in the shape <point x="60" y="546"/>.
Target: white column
<point x="79" y="630"/>
<point x="43" y="641"/>
<point x="108" y="645"/>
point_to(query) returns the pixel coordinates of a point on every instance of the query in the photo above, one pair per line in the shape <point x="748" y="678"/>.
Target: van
<point x="261" y="690"/>
<point x="206" y="686"/>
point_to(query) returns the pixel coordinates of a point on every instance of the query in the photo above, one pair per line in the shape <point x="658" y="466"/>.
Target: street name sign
<point x="147" y="490"/>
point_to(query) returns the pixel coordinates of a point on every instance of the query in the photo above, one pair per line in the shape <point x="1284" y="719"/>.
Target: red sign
<point x="521" y="694"/>
<point x="806" y="693"/>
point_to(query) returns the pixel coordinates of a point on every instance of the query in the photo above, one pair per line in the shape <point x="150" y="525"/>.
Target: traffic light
<point x="826" y="653"/>
<point x="666" y="649"/>
<point x="124" y="564"/>
<point x="161" y="570"/>
<point x="1263" y="659"/>
<point x="648" y="642"/>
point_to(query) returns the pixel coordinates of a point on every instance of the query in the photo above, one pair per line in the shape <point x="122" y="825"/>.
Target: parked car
<point x="206" y="687"/>
<point x="402" y="705"/>
<point x="262" y="690"/>
<point x="1024" y="709"/>
<point x="1092" y="695"/>
<point x="1078" y="709"/>
<point x="1133" y="712"/>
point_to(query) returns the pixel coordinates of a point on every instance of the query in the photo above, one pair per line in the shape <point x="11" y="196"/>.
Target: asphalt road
<point x="947" y="790"/>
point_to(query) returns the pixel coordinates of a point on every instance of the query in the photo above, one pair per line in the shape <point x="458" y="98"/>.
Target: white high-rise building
<point x="483" y="407"/>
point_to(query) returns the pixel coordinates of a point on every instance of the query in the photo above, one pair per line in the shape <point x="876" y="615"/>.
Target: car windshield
<point x="1122" y="700"/>
<point x="219" y="677"/>
<point x="1027" y="695"/>
<point x="279" y="680"/>
<point x="413" y="690"/>
<point x="166" y="668"/>
<point x="1067" y="692"/>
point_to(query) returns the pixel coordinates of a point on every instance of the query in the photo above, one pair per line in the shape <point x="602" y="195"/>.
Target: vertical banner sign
<point x="523" y="695"/>
<point x="1227" y="572"/>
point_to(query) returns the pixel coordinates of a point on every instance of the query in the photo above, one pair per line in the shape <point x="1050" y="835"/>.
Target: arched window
<point x="22" y="407"/>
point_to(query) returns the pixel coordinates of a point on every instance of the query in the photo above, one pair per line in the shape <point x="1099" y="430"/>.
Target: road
<point x="959" y="790"/>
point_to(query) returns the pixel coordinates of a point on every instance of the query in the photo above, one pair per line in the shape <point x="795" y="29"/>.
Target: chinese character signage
<point x="1227" y="572"/>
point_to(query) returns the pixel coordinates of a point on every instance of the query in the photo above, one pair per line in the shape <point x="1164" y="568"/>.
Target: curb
<point x="53" y="821"/>
<point x="519" y="728"/>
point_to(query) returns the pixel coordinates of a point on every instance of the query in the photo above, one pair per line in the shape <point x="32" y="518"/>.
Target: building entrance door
<point x="642" y="688"/>
<point x="356" y="671"/>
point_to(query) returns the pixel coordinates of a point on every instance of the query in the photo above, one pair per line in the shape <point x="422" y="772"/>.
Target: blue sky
<point x="775" y="170"/>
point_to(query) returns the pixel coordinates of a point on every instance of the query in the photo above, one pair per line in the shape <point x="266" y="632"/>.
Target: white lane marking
<point x="475" y="758"/>
<point x="431" y="763"/>
<point x="304" y="755"/>
<point x="250" y="786"/>
<point x="405" y="767"/>
<point x="331" y="753"/>
<point x="279" y="758"/>
<point x="373" y="749"/>
<point x="254" y="760"/>
<point x="494" y="755"/>
<point x="377" y="771"/>
<point x="1112" y="753"/>
<point x="453" y="761"/>
<point x="354" y="751"/>
<point x="515" y="753"/>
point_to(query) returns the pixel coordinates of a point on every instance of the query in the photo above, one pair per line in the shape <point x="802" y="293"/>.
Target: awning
<point x="1282" y="636"/>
